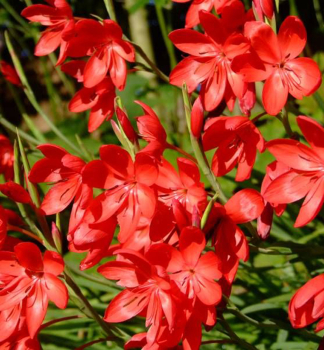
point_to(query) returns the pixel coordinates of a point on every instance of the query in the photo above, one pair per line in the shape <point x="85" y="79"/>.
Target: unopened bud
<point x="57" y="237"/>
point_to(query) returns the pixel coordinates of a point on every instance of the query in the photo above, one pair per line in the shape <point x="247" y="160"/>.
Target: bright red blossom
<point x="28" y="281"/>
<point x="305" y="179"/>
<point x="58" y="17"/>
<point x="209" y="61"/>
<point x="9" y="73"/>
<point x="274" y="59"/>
<point x="107" y="49"/>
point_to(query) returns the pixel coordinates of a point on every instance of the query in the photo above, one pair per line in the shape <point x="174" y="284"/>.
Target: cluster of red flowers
<point x="163" y="214"/>
<point x="107" y="52"/>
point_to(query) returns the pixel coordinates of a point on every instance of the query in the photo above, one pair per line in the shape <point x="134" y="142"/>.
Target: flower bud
<point x="197" y="118"/>
<point x="57" y="237"/>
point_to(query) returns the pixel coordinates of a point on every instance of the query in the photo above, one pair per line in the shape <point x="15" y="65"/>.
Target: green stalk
<point x="18" y="179"/>
<point x="164" y="31"/>
<point x="32" y="127"/>
<point x="32" y="189"/>
<point x="54" y="98"/>
<point x="111" y="9"/>
<point x="66" y="82"/>
<point x="197" y="148"/>
<point x="13" y="128"/>
<point x="31" y="97"/>
<point x="207" y="211"/>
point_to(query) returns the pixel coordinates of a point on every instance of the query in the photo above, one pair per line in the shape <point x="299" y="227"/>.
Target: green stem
<point x="155" y="69"/>
<point x="32" y="127"/>
<point x="13" y="129"/>
<point x="164" y="31"/>
<point x="197" y="148"/>
<point x="207" y="211"/>
<point x="111" y="9"/>
<point x="234" y="337"/>
<point x="31" y="97"/>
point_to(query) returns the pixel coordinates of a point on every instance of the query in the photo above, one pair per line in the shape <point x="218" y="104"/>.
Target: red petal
<point x="146" y="171"/>
<point x="288" y="188"/>
<point x="15" y="192"/>
<point x="48" y="42"/>
<point x="126" y="305"/>
<point x="193" y="42"/>
<point x="313" y="133"/>
<point x="189" y="172"/>
<point x="53" y="263"/>
<point x="61" y="195"/>
<point x="312" y="204"/>
<point x="55" y="290"/>
<point x="36" y="308"/>
<point x="209" y="266"/>
<point x="246" y="205"/>
<point x="96" y="69"/>
<point x="29" y="256"/>
<point x="118" y="160"/>
<point x="146" y="198"/>
<point x="190" y="71"/>
<point x="213" y="27"/>
<point x="292" y="37"/>
<point x="304" y="75"/>
<point x="192" y="243"/>
<point x="83" y="100"/>
<point x="295" y="155"/>
<point x="264" y="42"/>
<point x="275" y="93"/>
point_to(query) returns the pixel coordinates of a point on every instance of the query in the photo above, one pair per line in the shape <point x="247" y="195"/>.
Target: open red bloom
<point x="192" y="18"/>
<point x="306" y="177"/>
<point x="274" y="60"/>
<point x="185" y="187"/>
<point x="129" y="187"/>
<point x="58" y="17"/>
<point x="9" y="73"/>
<point x="148" y="292"/>
<point x="65" y="170"/>
<point x="209" y="61"/>
<point x="28" y="281"/>
<point x="6" y="158"/>
<point x="99" y="98"/>
<point x="307" y="305"/>
<point x="238" y="140"/>
<point x="107" y="49"/>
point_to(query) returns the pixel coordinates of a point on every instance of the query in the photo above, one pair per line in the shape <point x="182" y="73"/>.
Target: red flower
<point x="277" y="63"/>
<point x="305" y="179"/>
<point x="99" y="99"/>
<point x="209" y="61"/>
<point x="15" y="192"/>
<point x="59" y="19"/>
<point x="148" y="292"/>
<point x="238" y="140"/>
<point x="9" y="73"/>
<point x="28" y="281"/>
<point x="185" y="187"/>
<point x="129" y="187"/>
<point x="193" y="272"/>
<point x="192" y="18"/>
<point x="306" y="306"/>
<point x="65" y="171"/>
<point x="107" y="49"/>
<point x="6" y="158"/>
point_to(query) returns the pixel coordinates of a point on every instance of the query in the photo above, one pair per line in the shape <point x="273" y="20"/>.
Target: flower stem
<point x="181" y="151"/>
<point x="31" y="97"/>
<point x="197" y="148"/>
<point x="50" y="323"/>
<point x="164" y="31"/>
<point x="111" y="9"/>
<point x="25" y="232"/>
